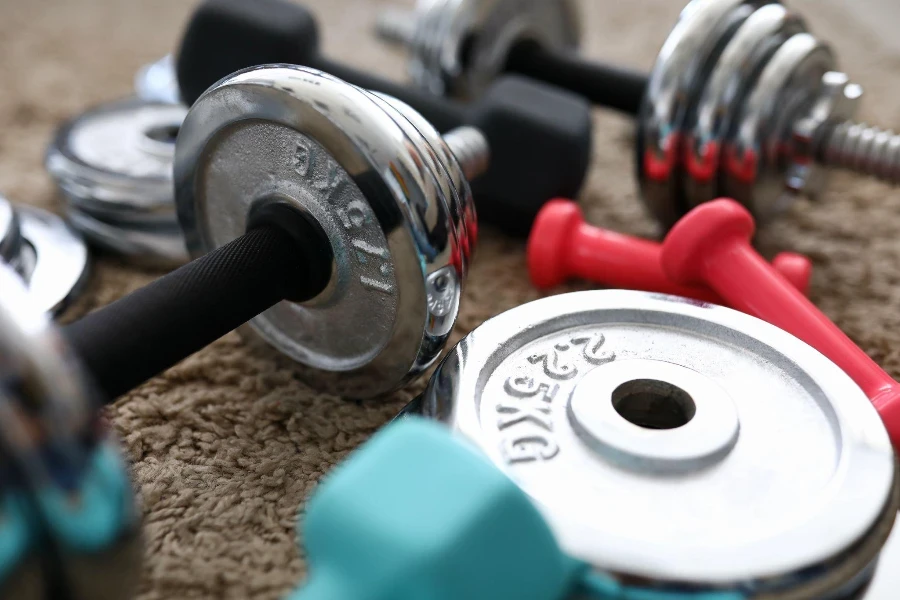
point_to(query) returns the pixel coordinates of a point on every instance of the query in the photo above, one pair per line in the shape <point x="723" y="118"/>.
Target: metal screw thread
<point x="864" y="149"/>
<point x="471" y="150"/>
<point x="396" y="25"/>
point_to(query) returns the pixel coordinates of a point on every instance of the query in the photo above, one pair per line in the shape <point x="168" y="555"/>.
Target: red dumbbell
<point x="711" y="246"/>
<point x="562" y="245"/>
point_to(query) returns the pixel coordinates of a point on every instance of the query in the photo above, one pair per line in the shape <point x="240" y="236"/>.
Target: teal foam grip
<point x="418" y="514"/>
<point x="17" y="536"/>
<point x="103" y="510"/>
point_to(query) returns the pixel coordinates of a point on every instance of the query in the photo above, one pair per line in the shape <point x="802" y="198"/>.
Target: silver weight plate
<point x="152" y="246"/>
<point x="673" y="88"/>
<point x="298" y="136"/>
<point x="157" y="82"/>
<point x="115" y="161"/>
<point x="488" y="29"/>
<point x="674" y="441"/>
<point x="53" y="259"/>
<point x="761" y="143"/>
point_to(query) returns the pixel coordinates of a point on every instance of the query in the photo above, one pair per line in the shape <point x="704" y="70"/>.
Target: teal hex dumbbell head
<point x="416" y="514"/>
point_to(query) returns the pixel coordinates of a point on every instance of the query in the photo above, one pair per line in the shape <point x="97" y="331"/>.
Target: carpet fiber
<point x="226" y="446"/>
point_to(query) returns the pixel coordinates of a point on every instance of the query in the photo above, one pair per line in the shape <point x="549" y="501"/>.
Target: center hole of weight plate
<point x="163" y="133"/>
<point x="653" y="404"/>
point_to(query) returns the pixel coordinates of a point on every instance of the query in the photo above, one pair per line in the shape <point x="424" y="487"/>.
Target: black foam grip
<point x="140" y="335"/>
<point x="604" y="85"/>
<point x="224" y="36"/>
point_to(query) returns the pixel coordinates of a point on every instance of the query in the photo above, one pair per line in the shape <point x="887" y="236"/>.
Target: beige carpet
<point x="226" y="446"/>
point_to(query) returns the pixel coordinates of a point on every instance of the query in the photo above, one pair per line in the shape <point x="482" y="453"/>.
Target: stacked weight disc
<point x="113" y="165"/>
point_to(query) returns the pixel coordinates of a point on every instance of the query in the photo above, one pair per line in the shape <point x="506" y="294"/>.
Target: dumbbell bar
<point x="540" y="138"/>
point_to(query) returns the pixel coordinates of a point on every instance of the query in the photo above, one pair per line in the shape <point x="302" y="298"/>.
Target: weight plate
<point x="734" y="74"/>
<point x="337" y="153"/>
<point x="53" y="259"/>
<point x="674" y="441"/>
<point x="761" y="142"/>
<point x="158" y="247"/>
<point x="460" y="46"/>
<point x="157" y="82"/>
<point x="673" y="88"/>
<point x="115" y="161"/>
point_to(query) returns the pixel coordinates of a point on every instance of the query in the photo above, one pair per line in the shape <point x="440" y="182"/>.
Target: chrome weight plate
<point x="676" y="445"/>
<point x="57" y="459"/>
<point x="115" y="161"/>
<point x="48" y="255"/>
<point x="151" y="246"/>
<point x="761" y="142"/>
<point x="157" y="82"/>
<point x="737" y="68"/>
<point x="353" y="163"/>
<point x="460" y="46"/>
<point x="54" y="259"/>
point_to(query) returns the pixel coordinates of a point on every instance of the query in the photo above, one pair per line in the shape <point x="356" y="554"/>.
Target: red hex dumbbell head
<point x="711" y="246"/>
<point x="562" y="245"/>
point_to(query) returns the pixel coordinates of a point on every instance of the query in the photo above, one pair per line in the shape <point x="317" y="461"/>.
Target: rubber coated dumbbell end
<point x="694" y="239"/>
<point x="416" y="513"/>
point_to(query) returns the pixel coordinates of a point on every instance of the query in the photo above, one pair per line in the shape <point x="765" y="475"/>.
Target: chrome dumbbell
<point x="458" y="47"/>
<point x="67" y="491"/>
<point x="743" y="101"/>
<point x="340" y="215"/>
<point x="50" y="257"/>
<point x="644" y="427"/>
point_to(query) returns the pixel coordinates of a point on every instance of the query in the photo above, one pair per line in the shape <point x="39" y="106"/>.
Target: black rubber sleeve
<point x="603" y="85"/>
<point x="140" y="335"/>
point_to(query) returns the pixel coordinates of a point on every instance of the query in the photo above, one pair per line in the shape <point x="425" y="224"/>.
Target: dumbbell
<point x="338" y="214"/>
<point x="710" y="246"/>
<point x="644" y="426"/>
<point x="743" y="101"/>
<point x="562" y="245"/>
<point x="540" y="137"/>
<point x="67" y="497"/>
<point x="50" y="257"/>
<point x="458" y="47"/>
<point x="416" y="513"/>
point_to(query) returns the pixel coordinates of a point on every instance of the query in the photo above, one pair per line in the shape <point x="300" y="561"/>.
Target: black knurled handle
<point x="140" y="335"/>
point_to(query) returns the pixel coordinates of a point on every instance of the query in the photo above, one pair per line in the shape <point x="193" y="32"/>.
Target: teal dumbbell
<point x="416" y="514"/>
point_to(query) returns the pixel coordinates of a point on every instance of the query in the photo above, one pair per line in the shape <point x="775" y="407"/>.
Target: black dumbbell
<point x="458" y="48"/>
<point x="340" y="213"/>
<point x="540" y="137"/>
